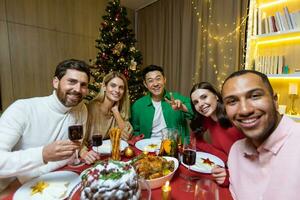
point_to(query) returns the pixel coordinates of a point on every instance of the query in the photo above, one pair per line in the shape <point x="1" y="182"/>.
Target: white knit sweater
<point x="26" y="127"/>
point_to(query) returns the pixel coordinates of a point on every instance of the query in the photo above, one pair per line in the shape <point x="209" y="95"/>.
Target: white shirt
<point x="26" y="127"/>
<point x="159" y="122"/>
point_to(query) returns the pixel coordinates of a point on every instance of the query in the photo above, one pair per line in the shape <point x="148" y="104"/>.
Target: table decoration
<point x="166" y="191"/>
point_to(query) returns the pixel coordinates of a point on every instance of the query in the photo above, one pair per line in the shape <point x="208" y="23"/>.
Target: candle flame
<point x="167" y="183"/>
<point x="145" y="151"/>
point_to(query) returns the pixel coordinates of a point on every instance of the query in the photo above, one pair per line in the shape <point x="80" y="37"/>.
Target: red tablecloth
<point x="177" y="183"/>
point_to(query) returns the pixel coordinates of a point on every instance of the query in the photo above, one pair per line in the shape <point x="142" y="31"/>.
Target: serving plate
<point x="59" y="186"/>
<point x="149" y="144"/>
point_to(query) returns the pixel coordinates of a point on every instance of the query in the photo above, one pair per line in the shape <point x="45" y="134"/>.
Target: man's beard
<point x="62" y="96"/>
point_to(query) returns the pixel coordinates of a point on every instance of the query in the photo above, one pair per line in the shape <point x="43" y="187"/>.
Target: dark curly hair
<point x="197" y="122"/>
<point x="62" y="67"/>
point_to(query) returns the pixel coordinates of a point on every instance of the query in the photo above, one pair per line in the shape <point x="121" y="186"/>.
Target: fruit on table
<point x="128" y="152"/>
<point x="167" y="146"/>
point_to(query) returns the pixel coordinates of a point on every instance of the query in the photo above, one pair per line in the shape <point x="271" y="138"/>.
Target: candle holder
<point x="166" y="191"/>
<point x="292" y="110"/>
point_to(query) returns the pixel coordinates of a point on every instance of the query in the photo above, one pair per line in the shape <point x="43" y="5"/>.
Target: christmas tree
<point x="117" y="52"/>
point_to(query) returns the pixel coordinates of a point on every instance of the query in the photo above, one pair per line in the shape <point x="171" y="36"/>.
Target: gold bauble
<point x="128" y="152"/>
<point x="132" y="65"/>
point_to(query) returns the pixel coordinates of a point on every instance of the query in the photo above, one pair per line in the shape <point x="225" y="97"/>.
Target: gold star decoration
<point x="207" y="161"/>
<point x="39" y="187"/>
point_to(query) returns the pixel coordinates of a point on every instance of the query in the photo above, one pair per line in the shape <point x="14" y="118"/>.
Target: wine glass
<point x="75" y="133"/>
<point x="206" y="189"/>
<point x="97" y="141"/>
<point x="189" y="158"/>
<point x="180" y="143"/>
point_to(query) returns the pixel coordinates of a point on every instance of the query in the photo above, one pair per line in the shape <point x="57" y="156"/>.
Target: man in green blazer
<point x="159" y="109"/>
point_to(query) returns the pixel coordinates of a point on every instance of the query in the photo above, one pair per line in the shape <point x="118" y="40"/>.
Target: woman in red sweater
<point x="210" y="117"/>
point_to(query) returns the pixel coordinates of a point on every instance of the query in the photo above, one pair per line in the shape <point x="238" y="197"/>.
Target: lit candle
<point x="293" y="88"/>
<point x="166" y="191"/>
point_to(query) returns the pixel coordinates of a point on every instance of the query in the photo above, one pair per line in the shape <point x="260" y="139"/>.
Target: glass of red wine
<point x="97" y="141"/>
<point x="75" y="133"/>
<point x="189" y="158"/>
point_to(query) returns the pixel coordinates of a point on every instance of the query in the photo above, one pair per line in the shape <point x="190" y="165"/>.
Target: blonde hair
<point x="124" y="104"/>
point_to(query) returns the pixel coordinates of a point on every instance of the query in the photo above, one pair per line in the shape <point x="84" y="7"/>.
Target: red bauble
<point x="126" y="73"/>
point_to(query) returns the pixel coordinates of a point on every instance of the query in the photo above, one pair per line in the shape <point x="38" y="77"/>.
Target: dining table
<point x="177" y="183"/>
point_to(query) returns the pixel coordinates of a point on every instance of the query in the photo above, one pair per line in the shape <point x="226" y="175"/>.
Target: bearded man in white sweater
<point x="34" y="132"/>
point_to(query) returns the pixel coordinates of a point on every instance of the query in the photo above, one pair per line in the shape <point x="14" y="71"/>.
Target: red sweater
<point x="221" y="139"/>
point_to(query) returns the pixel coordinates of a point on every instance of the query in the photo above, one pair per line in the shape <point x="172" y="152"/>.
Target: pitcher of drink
<point x="169" y="141"/>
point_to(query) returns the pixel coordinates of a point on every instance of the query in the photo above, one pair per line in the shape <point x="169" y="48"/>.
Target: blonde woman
<point x="109" y="109"/>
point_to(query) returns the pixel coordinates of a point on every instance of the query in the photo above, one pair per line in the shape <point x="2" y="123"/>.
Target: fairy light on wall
<point x="212" y="41"/>
<point x="249" y="33"/>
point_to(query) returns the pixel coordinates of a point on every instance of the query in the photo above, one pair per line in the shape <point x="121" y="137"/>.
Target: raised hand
<point x="59" y="150"/>
<point x="176" y="104"/>
<point x="115" y="107"/>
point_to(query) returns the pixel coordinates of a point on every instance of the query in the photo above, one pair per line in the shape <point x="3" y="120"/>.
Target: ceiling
<point x="136" y="4"/>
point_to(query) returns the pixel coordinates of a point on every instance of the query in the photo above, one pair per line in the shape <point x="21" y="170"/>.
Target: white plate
<point x="149" y="145"/>
<point x="56" y="180"/>
<point x="105" y="148"/>
<point x="205" y="168"/>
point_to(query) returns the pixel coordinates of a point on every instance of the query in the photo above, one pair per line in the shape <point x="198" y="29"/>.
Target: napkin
<point x="135" y="139"/>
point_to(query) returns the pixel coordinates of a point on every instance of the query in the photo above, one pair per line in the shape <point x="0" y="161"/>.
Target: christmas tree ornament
<point x="129" y="152"/>
<point x="122" y="59"/>
<point x="116" y="51"/>
<point x="126" y="73"/>
<point x="132" y="49"/>
<point x="120" y="46"/>
<point x="97" y="84"/>
<point x="132" y="65"/>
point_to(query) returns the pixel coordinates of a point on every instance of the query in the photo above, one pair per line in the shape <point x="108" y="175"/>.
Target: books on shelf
<point x="295" y="16"/>
<point x="258" y="28"/>
<point x="269" y="64"/>
<point x="281" y="21"/>
<point x="288" y="17"/>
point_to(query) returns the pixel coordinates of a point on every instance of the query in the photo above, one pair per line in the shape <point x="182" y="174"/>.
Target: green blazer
<point x="142" y="113"/>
